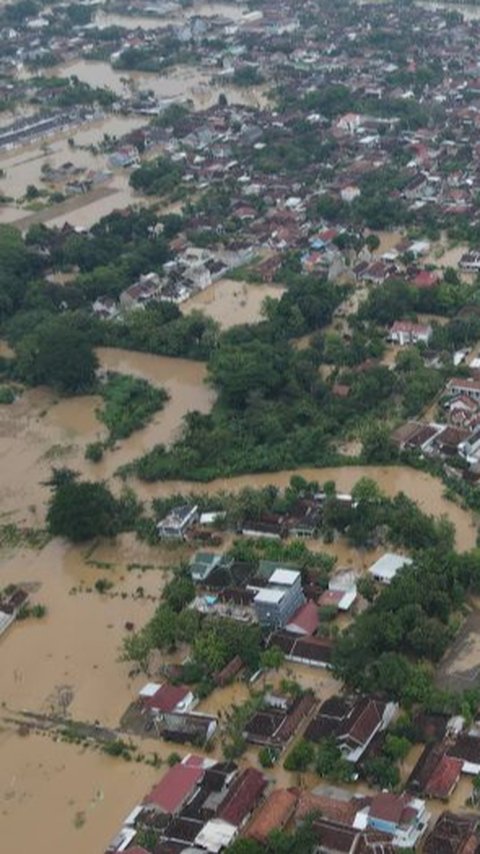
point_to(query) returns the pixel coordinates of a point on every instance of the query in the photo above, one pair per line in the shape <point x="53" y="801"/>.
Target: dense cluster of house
<point x="454" y="438"/>
<point x="201" y="804"/>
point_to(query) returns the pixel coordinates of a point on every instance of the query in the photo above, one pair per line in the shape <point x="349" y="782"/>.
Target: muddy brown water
<point x="57" y="797"/>
<point x="231" y="303"/>
<point x="232" y="11"/>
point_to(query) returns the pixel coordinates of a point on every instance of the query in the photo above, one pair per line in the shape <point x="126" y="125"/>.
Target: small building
<point x="274" y="814"/>
<point x="305" y="620"/>
<point x="402" y="817"/>
<point x="352" y="721"/>
<point x="405" y="332"/>
<point x="176" y="524"/>
<point x="386" y="567"/>
<point x="310" y="650"/>
<point x="177" y="785"/>
<point x="467" y="748"/>
<point x="464" y="386"/>
<point x="470" y="262"/>
<point x="275" y="603"/>
<point x="204" y="563"/>
<point x="455" y="834"/>
<point x="242" y="797"/>
<point x="161" y="699"/>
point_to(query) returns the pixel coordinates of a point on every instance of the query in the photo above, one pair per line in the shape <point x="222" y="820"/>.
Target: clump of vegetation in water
<point x="129" y="403"/>
<point x="103" y="585"/>
<point x="12" y="536"/>
<point x="94" y="452"/>
<point x="119" y="747"/>
<point x="36" y="611"/>
<point x="7" y="395"/>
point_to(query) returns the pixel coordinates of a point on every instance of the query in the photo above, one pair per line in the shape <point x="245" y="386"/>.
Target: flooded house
<point x="177" y="523"/>
<point x="352" y="722"/>
<point x="277" y="722"/>
<point x="12" y="599"/>
<point x="279" y="599"/>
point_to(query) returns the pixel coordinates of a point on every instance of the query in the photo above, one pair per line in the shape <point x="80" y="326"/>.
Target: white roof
<point x="387" y="566"/>
<point x="209" y="518"/>
<point x="347" y="599"/>
<point x="215" y="835"/>
<point x="269" y="595"/>
<point x="149" y="689"/>
<point x="285" y="577"/>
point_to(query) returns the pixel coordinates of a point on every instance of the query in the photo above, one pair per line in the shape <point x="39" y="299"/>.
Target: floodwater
<point x="183" y="82"/>
<point x="230" y="302"/>
<point x="40" y="430"/>
<point x="59" y="797"/>
<point x="23" y="165"/>
<point x="233" y="11"/>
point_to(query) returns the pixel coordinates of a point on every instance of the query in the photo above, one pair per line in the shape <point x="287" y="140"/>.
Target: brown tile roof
<point x="333" y="809"/>
<point x="388" y="807"/>
<point x="453" y="834"/>
<point x="364" y="720"/>
<point x="305" y="618"/>
<point x="243" y="795"/>
<point x="274" y="813"/>
<point x="467" y="747"/>
<point x="444" y="778"/>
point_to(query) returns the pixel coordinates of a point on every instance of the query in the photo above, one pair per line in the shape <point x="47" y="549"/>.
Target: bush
<point x="94" y="452"/>
<point x="7" y="395"/>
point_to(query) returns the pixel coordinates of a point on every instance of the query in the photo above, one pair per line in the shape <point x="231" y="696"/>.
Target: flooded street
<point x="231" y="303"/>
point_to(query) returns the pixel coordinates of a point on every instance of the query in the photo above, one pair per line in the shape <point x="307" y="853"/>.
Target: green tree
<point x="300" y="757"/>
<point x="57" y="355"/>
<point x="81" y="511"/>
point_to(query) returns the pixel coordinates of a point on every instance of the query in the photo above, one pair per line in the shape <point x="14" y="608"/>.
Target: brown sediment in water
<point x="231" y="303"/>
<point x="59" y="797"/>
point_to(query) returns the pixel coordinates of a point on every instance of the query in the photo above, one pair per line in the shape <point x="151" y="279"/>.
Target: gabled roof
<point x="167" y="697"/>
<point x="305" y="620"/>
<point x="176" y="785"/>
<point x="453" y="834"/>
<point x="242" y="796"/>
<point x="362" y="723"/>
<point x="274" y="813"/>
<point x="444" y="777"/>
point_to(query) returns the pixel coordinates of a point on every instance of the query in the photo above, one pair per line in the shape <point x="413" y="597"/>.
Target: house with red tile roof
<point x="305" y="620"/>
<point x="163" y="699"/>
<point x="274" y="814"/>
<point x="243" y="796"/>
<point x="454" y="834"/>
<point x="405" y="332"/>
<point x="352" y="721"/>
<point x="177" y="785"/>
<point x="402" y="817"/>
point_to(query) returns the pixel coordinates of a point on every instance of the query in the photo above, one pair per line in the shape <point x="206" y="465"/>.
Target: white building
<point x="386" y="567"/>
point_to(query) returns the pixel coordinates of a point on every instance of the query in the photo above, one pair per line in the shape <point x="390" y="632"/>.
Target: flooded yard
<point x="231" y="303"/>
